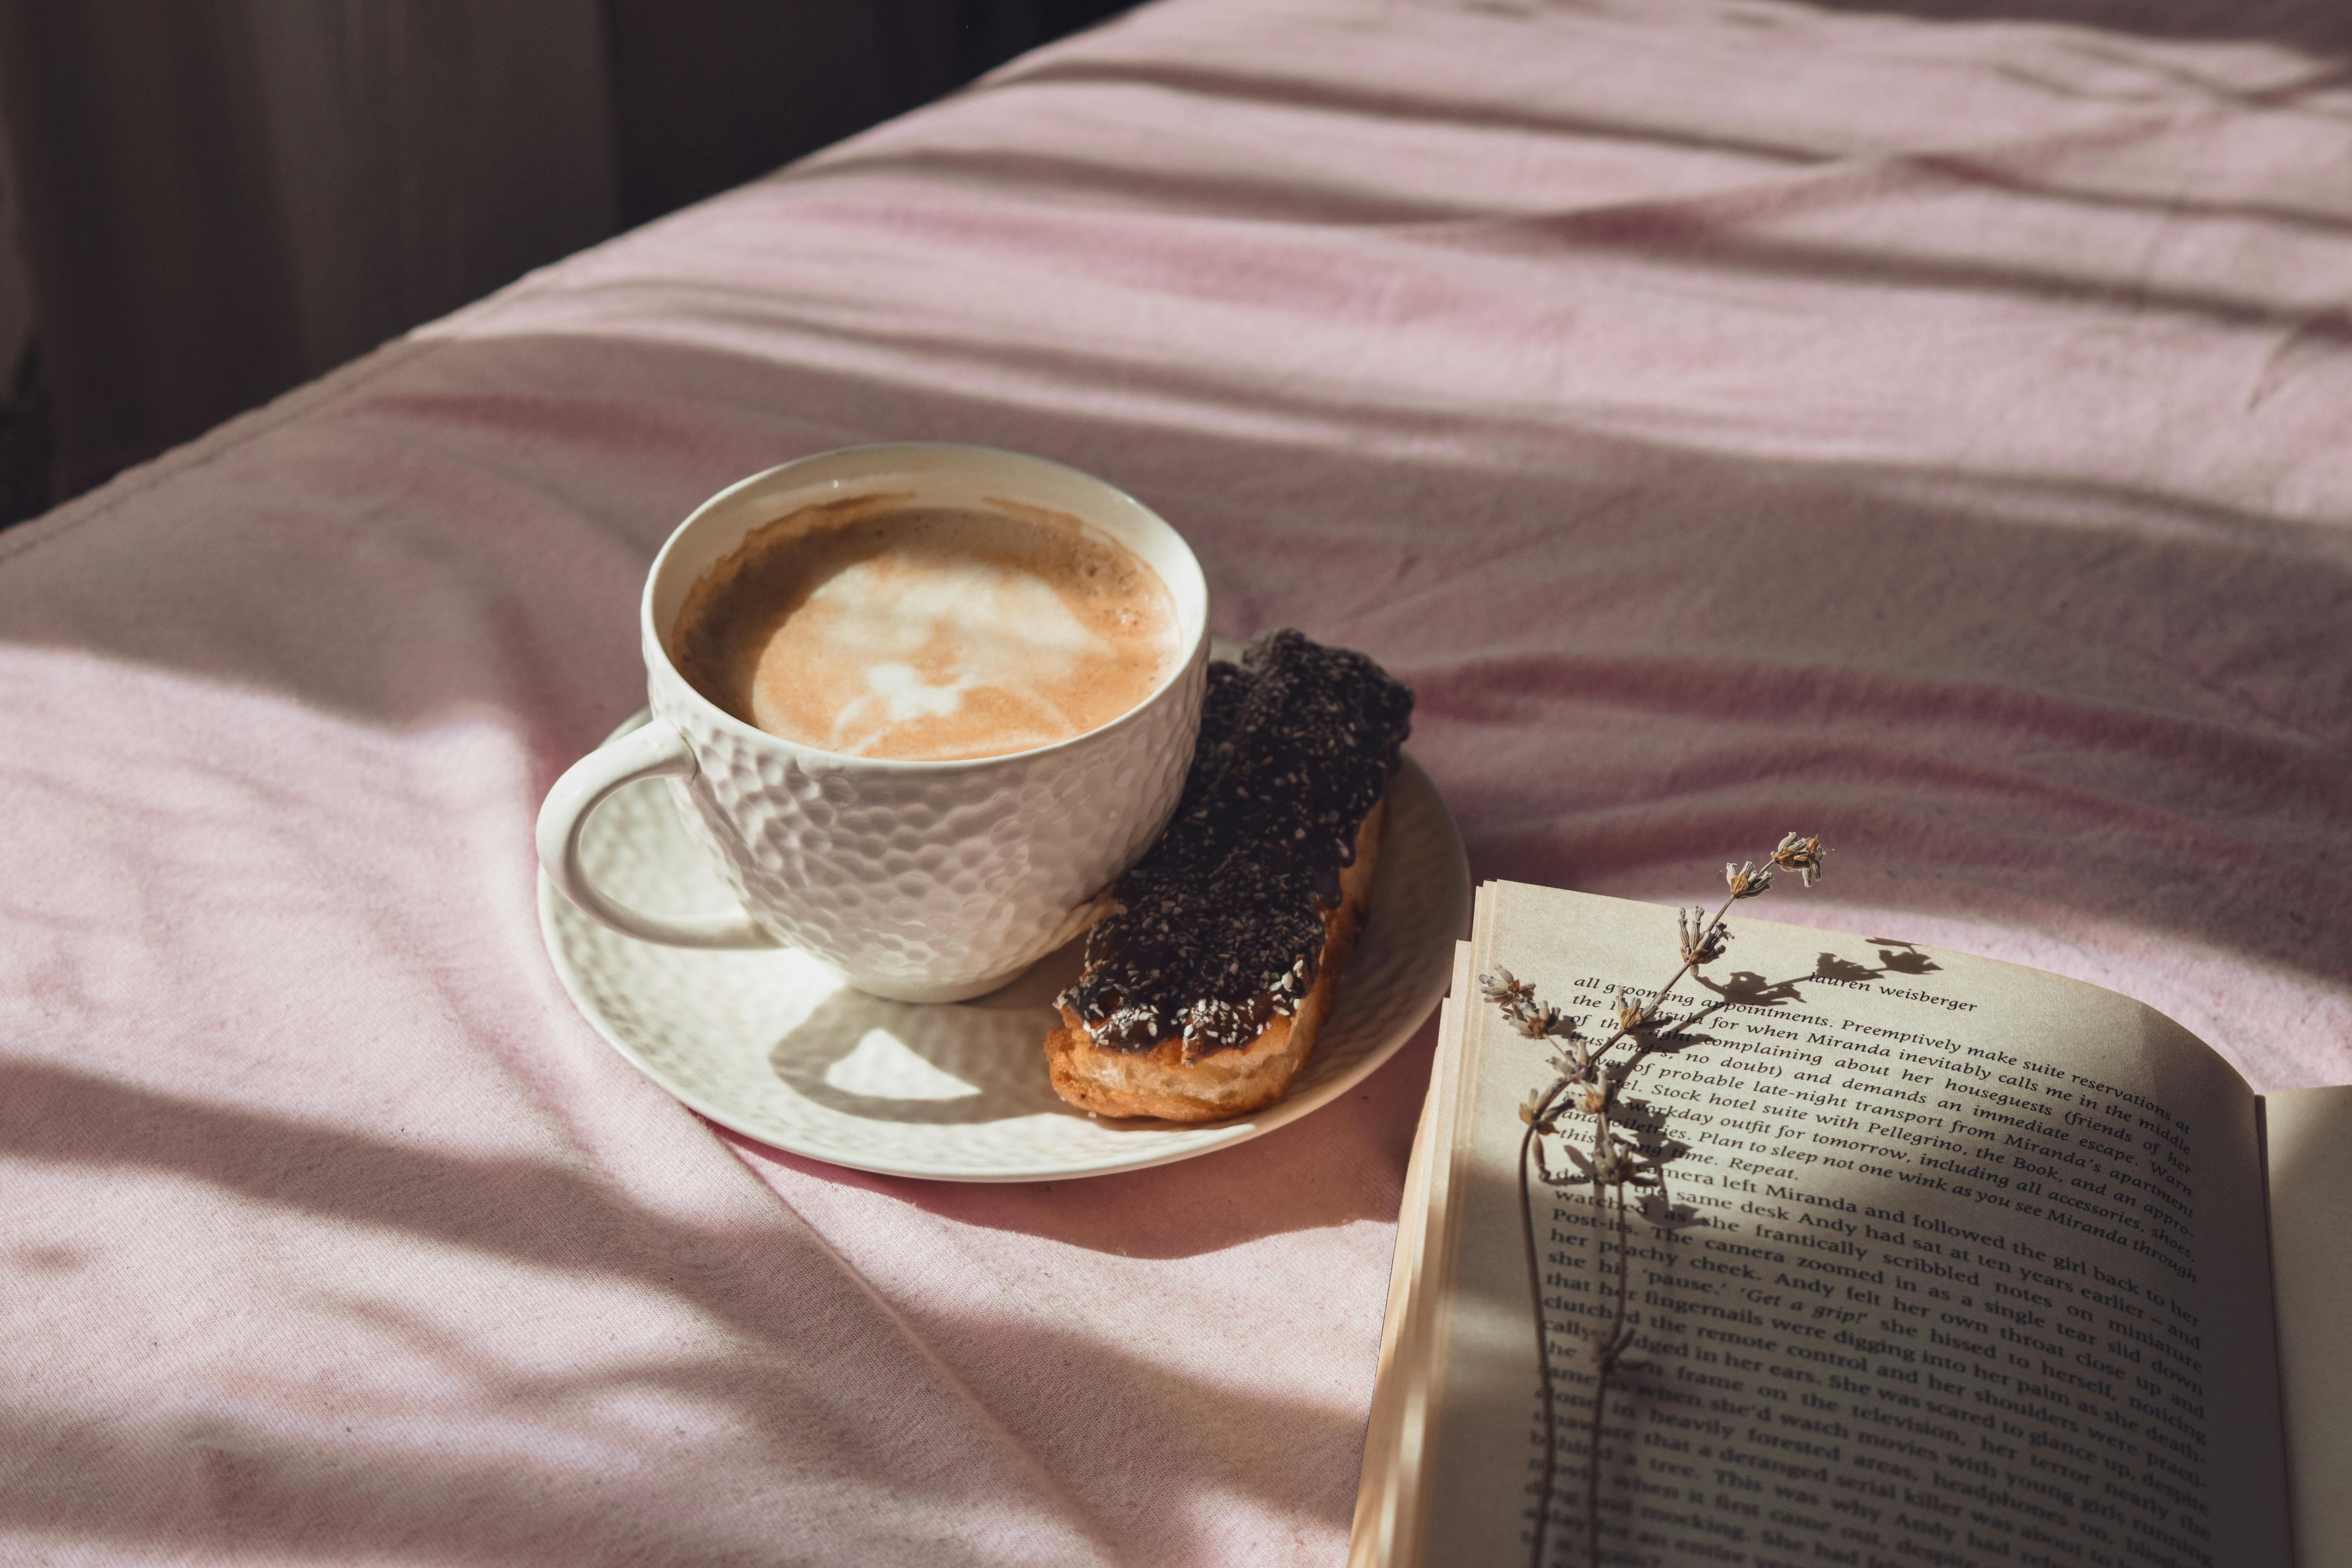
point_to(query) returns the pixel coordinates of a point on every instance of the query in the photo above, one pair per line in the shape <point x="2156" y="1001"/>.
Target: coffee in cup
<point x="940" y="872"/>
<point x="878" y="627"/>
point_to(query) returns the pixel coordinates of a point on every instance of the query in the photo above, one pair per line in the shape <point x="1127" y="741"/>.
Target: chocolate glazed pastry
<point x="1204" y="988"/>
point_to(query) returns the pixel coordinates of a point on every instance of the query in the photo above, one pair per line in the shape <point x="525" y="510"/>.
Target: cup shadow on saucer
<point x="948" y="1065"/>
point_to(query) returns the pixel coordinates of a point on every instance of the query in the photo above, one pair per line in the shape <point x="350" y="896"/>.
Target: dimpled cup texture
<point x="919" y="882"/>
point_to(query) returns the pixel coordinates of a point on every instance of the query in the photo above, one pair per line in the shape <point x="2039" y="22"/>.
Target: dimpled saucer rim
<point x="704" y="1026"/>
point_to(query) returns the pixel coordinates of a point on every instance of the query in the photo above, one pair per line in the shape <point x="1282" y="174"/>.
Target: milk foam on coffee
<point x="877" y="628"/>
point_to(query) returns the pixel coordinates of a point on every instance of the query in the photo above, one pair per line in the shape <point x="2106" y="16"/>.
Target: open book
<point x="1949" y="1262"/>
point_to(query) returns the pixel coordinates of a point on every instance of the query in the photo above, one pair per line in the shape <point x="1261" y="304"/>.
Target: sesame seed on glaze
<point x="1219" y="928"/>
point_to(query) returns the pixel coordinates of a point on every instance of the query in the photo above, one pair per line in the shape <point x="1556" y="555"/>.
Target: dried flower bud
<point x="1746" y="880"/>
<point x="1802" y="856"/>
<point x="1505" y="988"/>
<point x="1610" y="1164"/>
<point x="1593" y="1100"/>
<point x="1575" y="1157"/>
<point x="1630" y="1011"/>
<point x="1701" y="943"/>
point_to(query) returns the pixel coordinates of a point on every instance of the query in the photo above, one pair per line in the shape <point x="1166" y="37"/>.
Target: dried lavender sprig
<point x="1589" y="1086"/>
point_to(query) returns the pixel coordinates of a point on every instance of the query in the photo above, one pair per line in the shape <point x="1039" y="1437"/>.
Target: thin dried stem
<point x="1543" y="1346"/>
<point x="1588" y="1083"/>
<point x="1605" y="1363"/>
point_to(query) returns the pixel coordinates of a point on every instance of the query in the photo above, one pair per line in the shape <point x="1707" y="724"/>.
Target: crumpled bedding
<point x="1731" y="416"/>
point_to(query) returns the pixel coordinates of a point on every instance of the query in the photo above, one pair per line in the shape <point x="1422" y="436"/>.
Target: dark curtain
<point x="219" y="199"/>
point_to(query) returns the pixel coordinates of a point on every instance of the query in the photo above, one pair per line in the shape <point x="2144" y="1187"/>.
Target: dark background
<point x="212" y="201"/>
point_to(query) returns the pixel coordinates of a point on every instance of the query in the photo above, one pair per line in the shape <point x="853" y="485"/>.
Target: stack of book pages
<point x="1939" y="1261"/>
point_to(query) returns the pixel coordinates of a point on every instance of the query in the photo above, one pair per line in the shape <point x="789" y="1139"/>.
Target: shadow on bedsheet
<point x="416" y="1469"/>
<point x="2319" y="26"/>
<point x="1342" y="1165"/>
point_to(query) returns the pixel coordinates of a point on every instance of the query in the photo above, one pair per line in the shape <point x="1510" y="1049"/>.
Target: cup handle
<point x="654" y="750"/>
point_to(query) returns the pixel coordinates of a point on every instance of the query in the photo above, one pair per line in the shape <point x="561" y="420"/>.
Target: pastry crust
<point x="1159" y="1082"/>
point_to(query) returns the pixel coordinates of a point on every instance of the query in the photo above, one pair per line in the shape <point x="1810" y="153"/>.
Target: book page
<point x="1387" y="1487"/>
<point x="1981" y="1276"/>
<point x="2309" y="1148"/>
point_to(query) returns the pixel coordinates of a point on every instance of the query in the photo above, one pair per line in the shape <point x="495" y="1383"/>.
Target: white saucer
<point x="772" y="1044"/>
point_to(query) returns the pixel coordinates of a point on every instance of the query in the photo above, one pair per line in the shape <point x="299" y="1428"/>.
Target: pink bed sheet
<point x="1732" y="417"/>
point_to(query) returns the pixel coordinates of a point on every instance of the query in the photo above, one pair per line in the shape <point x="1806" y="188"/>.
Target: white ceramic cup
<point x="922" y="881"/>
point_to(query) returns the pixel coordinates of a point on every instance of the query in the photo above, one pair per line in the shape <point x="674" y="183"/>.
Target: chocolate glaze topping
<point x="1220" y="926"/>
